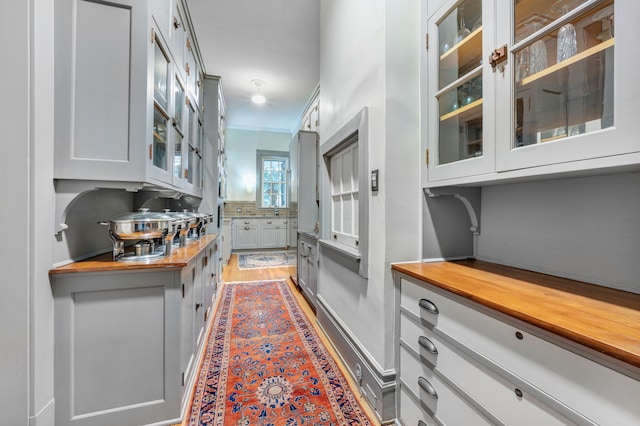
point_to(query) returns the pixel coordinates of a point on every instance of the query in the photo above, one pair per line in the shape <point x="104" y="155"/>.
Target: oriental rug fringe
<point x="266" y="365"/>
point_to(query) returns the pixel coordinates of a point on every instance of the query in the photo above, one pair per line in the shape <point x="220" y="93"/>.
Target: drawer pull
<point x="427" y="344"/>
<point x="246" y="228"/>
<point x="421" y="423"/>
<point x="518" y="393"/>
<point x="426" y="386"/>
<point x="269" y="222"/>
<point x="246" y="223"/>
<point x="519" y="335"/>
<point x="429" y="306"/>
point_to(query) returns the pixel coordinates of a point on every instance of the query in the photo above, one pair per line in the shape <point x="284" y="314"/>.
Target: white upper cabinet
<point x="556" y="100"/>
<point x="101" y="89"/>
<point x="121" y="93"/>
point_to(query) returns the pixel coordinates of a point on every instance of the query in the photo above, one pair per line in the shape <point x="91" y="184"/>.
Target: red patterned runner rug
<point x="265" y="365"/>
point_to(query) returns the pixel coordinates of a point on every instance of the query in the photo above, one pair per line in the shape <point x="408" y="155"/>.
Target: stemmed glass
<point x="463" y="31"/>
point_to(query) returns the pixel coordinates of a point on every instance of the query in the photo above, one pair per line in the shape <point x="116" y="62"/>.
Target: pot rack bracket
<point x="68" y="191"/>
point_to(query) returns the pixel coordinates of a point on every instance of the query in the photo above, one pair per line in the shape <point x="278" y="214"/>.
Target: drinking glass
<point x="538" y="57"/>
<point x="463" y="31"/>
<point x="567" y="43"/>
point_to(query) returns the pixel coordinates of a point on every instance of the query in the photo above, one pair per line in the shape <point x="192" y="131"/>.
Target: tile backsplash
<point x="248" y="208"/>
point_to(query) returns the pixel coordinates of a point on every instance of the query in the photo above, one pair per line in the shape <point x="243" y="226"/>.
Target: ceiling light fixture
<point x="258" y="98"/>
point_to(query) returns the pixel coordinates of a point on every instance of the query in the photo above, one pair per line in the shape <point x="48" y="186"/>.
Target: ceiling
<point x="277" y="41"/>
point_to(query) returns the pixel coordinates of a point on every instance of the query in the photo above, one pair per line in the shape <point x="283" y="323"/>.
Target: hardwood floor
<point x="231" y="273"/>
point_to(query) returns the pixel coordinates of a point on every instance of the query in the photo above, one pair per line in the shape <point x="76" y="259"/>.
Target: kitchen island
<point x="128" y="335"/>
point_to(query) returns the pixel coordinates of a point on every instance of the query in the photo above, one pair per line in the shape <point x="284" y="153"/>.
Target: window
<point x="344" y="220"/>
<point x="272" y="169"/>
<point x="344" y="195"/>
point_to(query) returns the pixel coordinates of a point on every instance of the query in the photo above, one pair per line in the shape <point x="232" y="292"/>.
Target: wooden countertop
<point x="179" y="258"/>
<point x="597" y="317"/>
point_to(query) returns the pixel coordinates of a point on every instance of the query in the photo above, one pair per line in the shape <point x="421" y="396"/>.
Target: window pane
<point x="347" y="164"/>
<point x="356" y="222"/>
<point x="336" y="223"/>
<point x="354" y="169"/>
<point x="347" y="214"/>
<point x="335" y="174"/>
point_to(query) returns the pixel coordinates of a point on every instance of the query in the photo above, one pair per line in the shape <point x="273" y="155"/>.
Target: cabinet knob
<point x="428" y="306"/>
<point x="269" y="222"/>
<point x="518" y="393"/>
<point x="427" y="387"/>
<point x="246" y="228"/>
<point x="427" y="344"/>
<point x="198" y="305"/>
<point x="519" y="335"/>
<point x="246" y="223"/>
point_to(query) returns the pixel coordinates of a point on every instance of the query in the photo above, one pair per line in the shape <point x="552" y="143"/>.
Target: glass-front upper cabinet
<point x="519" y="88"/>
<point x="572" y="97"/>
<point x="460" y="91"/>
<point x="160" y="153"/>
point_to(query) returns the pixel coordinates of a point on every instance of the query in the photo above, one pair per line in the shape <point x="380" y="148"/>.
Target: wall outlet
<point x="239" y="210"/>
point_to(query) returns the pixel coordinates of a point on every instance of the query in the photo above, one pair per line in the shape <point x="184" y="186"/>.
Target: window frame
<point x="261" y="156"/>
<point x="355" y="130"/>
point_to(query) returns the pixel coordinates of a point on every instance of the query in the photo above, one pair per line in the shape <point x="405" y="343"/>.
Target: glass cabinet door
<point x="563" y="75"/>
<point x="160" y="139"/>
<point x="572" y="98"/>
<point x="458" y="87"/>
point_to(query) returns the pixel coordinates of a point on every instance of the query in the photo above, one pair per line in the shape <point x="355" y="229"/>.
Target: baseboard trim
<point x="377" y="385"/>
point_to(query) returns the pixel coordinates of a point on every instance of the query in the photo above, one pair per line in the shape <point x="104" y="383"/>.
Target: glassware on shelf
<point x="562" y="7"/>
<point x="463" y="31"/>
<point x="477" y="24"/>
<point x="467" y="95"/>
<point x="537" y="57"/>
<point x="445" y="46"/>
<point x="567" y="42"/>
<point x="522" y="63"/>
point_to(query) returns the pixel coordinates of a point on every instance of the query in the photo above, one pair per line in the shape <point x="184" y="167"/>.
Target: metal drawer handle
<point x="246" y="223"/>
<point x="246" y="228"/>
<point x="427" y="344"/>
<point x="421" y="423"/>
<point x="426" y="386"/>
<point x="429" y="306"/>
<point x="269" y="222"/>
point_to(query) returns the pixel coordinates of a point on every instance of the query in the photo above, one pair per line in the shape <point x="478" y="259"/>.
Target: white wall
<point x="241" y="146"/>
<point x="365" y="62"/>
<point x="581" y="228"/>
<point x="26" y="305"/>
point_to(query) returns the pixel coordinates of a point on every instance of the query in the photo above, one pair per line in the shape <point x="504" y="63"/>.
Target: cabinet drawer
<point x="497" y="395"/>
<point x="309" y="249"/>
<point x="241" y="223"/>
<point x="551" y="368"/>
<point x="448" y="407"/>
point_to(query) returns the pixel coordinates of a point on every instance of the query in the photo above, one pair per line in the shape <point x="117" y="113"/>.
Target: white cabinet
<point x="542" y="110"/>
<point x="260" y="233"/>
<point x="121" y="94"/>
<point x="455" y="353"/>
<point x="272" y="233"/>
<point x="308" y="266"/>
<point x="245" y="234"/>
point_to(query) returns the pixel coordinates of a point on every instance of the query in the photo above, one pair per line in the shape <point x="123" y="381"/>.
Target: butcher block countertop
<point x="597" y="317"/>
<point x="179" y="258"/>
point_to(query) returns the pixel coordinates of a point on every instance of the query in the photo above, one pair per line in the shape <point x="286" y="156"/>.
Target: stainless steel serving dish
<point x="142" y="225"/>
<point x="183" y="223"/>
<point x="202" y="219"/>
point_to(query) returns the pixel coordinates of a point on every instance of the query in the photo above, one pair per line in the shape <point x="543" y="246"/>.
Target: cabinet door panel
<point x="100" y="89"/>
<point x="576" y="105"/>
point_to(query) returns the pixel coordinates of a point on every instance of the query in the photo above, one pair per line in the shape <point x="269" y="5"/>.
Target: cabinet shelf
<point x="466" y="47"/>
<point x="465" y="109"/>
<point x="572" y="60"/>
